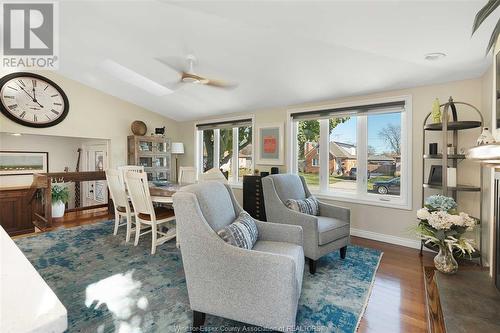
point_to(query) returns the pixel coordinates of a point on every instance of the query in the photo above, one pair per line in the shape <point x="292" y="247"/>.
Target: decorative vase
<point x="58" y="208"/>
<point x="485" y="138"/>
<point x="444" y="261"/>
<point x="436" y="112"/>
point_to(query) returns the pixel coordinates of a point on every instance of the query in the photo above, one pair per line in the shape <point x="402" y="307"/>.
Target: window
<point x="358" y="153"/>
<point x="227" y="145"/>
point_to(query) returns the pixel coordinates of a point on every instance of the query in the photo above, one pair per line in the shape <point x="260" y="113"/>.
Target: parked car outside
<point x="387" y="186"/>
<point x="352" y="173"/>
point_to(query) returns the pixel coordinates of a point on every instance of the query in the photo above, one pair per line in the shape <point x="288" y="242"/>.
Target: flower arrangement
<point x="60" y="192"/>
<point x="440" y="224"/>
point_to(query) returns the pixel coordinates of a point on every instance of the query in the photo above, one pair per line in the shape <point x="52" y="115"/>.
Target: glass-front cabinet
<point x="151" y="152"/>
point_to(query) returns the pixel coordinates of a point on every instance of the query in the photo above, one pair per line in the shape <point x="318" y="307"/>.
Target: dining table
<point x="163" y="192"/>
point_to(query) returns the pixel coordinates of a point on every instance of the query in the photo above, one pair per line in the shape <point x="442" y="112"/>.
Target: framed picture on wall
<point x="270" y="144"/>
<point x="15" y="163"/>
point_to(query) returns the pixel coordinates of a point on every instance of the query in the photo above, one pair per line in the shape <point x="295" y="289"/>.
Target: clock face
<point x="32" y="100"/>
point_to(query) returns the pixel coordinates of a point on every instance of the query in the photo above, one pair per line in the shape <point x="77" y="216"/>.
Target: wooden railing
<point x="41" y="194"/>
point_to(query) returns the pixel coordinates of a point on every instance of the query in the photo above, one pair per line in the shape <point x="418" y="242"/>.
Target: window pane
<point x="308" y="152"/>
<point x="244" y="152"/>
<point x="208" y="150"/>
<point x="226" y="151"/>
<point x="384" y="153"/>
<point x="343" y="155"/>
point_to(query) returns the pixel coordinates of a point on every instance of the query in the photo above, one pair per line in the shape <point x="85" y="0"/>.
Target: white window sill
<point x="372" y="200"/>
<point x="236" y="185"/>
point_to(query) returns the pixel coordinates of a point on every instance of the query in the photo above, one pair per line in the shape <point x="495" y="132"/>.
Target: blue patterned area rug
<point x="108" y="285"/>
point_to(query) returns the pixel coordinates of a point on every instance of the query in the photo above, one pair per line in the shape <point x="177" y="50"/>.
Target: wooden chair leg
<point x="129" y="227"/>
<point x="137" y="231"/>
<point x="198" y="321"/>
<point x="117" y="222"/>
<point x="343" y="251"/>
<point x="312" y="266"/>
<point x="154" y="235"/>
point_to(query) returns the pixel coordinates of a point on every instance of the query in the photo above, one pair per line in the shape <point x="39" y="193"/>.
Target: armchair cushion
<point x="241" y="233"/>
<point x="288" y="249"/>
<point x="308" y="206"/>
<point x="289" y="186"/>
<point x="330" y="229"/>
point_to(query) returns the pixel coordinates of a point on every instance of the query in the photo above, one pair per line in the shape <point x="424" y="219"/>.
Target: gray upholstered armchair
<point x="322" y="234"/>
<point x="260" y="286"/>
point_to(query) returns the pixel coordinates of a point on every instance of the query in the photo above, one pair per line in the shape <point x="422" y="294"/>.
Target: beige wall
<point x="94" y="114"/>
<point x="394" y="224"/>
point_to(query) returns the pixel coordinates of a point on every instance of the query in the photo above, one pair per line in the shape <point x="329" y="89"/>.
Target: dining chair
<point x="213" y="174"/>
<point x="120" y="201"/>
<point x="187" y="175"/>
<point x="129" y="168"/>
<point x="145" y="212"/>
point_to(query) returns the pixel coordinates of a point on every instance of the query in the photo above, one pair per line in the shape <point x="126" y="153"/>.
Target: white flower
<point x="456" y="220"/>
<point x="423" y="214"/>
<point x="440" y="220"/>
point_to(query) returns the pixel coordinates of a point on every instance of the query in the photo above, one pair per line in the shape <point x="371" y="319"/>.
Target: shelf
<point x="440" y="156"/>
<point x="462" y="188"/>
<point x="453" y="125"/>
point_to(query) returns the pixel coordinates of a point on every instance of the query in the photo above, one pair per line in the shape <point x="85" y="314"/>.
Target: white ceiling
<point x="281" y="53"/>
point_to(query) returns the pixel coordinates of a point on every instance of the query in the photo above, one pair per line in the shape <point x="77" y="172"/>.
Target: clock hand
<point x="32" y="98"/>
<point x="27" y="93"/>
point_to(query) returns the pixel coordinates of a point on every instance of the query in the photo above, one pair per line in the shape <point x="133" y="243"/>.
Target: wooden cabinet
<point x="153" y="153"/>
<point x="15" y="210"/>
<point x="253" y="197"/>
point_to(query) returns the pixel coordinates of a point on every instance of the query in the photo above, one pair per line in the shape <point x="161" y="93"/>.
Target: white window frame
<point x="403" y="201"/>
<point x="315" y="159"/>
<point x="198" y="157"/>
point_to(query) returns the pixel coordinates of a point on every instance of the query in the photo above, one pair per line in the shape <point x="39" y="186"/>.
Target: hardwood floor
<point x="397" y="302"/>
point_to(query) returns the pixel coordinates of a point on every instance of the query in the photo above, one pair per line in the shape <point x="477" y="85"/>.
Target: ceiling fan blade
<point x="221" y="84"/>
<point x="175" y="63"/>
<point x="174" y="85"/>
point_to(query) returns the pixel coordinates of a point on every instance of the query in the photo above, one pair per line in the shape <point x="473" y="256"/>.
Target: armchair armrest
<point x="337" y="212"/>
<point x="278" y="232"/>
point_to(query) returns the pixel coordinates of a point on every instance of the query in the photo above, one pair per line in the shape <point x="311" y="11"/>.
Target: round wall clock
<point x="32" y="100"/>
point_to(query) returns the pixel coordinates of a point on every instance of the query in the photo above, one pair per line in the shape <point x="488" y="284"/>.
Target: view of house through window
<point x="227" y="146"/>
<point x="364" y="152"/>
<point x="384" y="153"/>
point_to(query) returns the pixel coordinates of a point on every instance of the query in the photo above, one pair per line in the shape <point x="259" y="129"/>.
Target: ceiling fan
<point x="188" y="75"/>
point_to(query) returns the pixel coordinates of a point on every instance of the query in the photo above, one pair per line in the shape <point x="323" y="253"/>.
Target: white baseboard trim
<point x="412" y="243"/>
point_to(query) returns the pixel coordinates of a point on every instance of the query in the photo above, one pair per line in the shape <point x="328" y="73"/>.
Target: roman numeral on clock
<point x="35" y="119"/>
<point x="22" y="115"/>
<point x="22" y="83"/>
<point x="11" y="97"/>
<point x="54" y="111"/>
<point x="13" y="106"/>
<point x="57" y="104"/>
<point x="33" y="82"/>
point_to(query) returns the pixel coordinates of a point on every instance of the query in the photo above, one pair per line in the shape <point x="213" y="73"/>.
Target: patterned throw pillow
<point x="308" y="206"/>
<point x="241" y="233"/>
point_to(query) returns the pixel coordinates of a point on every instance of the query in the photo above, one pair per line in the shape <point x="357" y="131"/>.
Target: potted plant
<point x="60" y="196"/>
<point x="440" y="224"/>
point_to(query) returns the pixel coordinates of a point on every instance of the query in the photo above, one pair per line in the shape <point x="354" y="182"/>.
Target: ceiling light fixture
<point x="129" y="76"/>
<point x="435" y="56"/>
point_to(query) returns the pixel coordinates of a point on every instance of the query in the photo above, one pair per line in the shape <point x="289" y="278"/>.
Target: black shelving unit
<point x="453" y="126"/>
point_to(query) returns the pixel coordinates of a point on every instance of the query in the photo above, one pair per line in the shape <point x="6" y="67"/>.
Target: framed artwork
<point x="270" y="144"/>
<point x="15" y="163"/>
